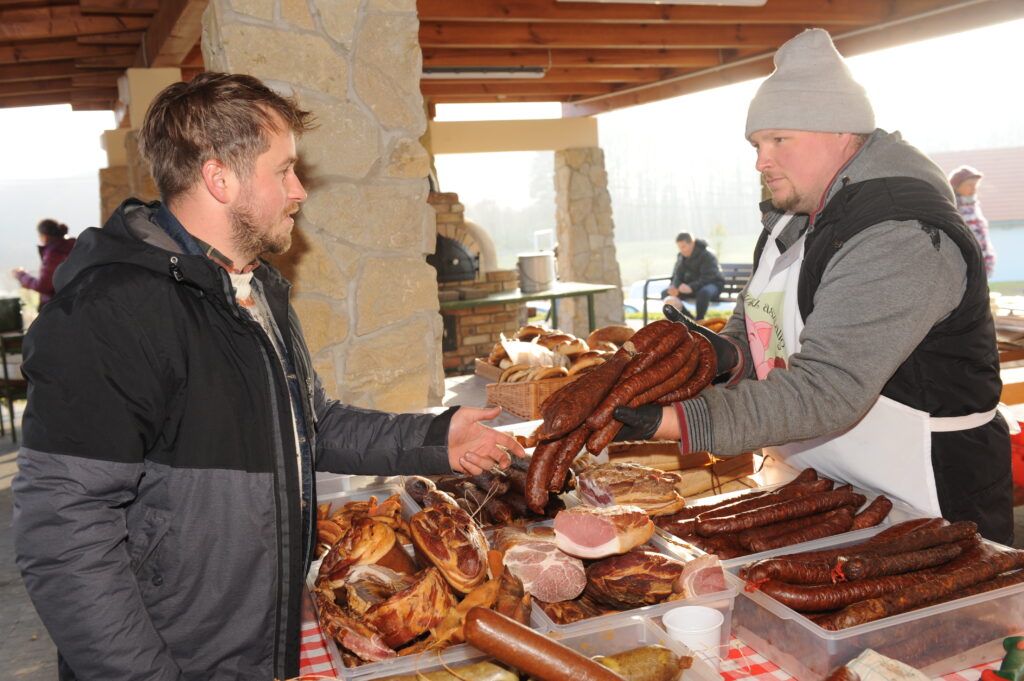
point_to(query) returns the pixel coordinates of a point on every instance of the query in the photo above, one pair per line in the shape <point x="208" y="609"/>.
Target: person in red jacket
<point x="54" y="249"/>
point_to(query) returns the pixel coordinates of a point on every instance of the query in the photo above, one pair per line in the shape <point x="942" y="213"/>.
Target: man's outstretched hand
<point x="473" y="447"/>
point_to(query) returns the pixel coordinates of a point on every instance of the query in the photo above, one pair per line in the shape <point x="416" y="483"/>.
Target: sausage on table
<point x="827" y="525"/>
<point x="784" y="510"/>
<point x="821" y="597"/>
<point x="532" y="653"/>
<point x="867" y="566"/>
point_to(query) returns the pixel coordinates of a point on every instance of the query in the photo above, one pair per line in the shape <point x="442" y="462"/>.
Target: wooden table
<point x="560" y="289"/>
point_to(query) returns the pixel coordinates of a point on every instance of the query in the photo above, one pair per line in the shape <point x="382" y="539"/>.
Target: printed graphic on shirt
<point x="764" y="331"/>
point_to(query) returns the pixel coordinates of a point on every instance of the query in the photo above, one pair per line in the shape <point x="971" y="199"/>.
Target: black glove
<point x="641" y="422"/>
<point x="726" y="353"/>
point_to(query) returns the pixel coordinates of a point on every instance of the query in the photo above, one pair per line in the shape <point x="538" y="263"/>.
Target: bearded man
<point x="165" y="508"/>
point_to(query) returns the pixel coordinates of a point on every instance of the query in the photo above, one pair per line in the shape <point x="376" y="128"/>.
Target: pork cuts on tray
<point x="598" y="532"/>
<point x="547" y="573"/>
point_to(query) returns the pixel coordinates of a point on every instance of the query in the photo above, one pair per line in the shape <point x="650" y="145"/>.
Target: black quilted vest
<point x="955" y="369"/>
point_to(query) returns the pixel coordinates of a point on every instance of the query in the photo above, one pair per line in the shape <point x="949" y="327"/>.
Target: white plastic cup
<point x="697" y="627"/>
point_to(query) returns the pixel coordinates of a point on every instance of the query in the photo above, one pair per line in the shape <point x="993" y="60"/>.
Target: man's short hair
<point x="684" y="236"/>
<point x="215" y="115"/>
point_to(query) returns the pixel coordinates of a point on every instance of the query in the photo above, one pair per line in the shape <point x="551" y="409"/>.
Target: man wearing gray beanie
<point x="864" y="344"/>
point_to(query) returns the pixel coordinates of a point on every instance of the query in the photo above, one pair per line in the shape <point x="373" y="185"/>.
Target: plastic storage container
<point x="632" y="632"/>
<point x="938" y="640"/>
<point x="722" y="601"/>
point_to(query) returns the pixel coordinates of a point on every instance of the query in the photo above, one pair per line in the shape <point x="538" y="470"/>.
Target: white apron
<point x="889" y="449"/>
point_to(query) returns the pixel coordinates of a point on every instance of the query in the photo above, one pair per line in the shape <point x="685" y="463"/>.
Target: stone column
<point x="586" y="237"/>
<point x="114" y="183"/>
<point x="362" y="288"/>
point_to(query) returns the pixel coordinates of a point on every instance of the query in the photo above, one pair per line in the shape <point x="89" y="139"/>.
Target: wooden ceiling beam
<point x="471" y="34"/>
<point x="174" y="32"/>
<point x="773" y="12"/>
<point x="57" y="50"/>
<point x="105" y="79"/>
<point x="48" y="23"/>
<point x="36" y="87"/>
<point x="620" y="75"/>
<point x="116" y="38"/>
<point x="568" y="58"/>
<point x="12" y="73"/>
<point x="461" y="88"/>
<point x="141" y="7"/>
<point x="111" y="61"/>
<point x="491" y="99"/>
<point x="35" y="99"/>
<point x="98" y="99"/>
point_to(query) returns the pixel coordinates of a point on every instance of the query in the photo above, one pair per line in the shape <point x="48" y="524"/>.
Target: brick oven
<point x="470" y="332"/>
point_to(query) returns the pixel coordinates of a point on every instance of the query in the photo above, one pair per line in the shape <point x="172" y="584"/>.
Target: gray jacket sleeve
<point x="70" y="544"/>
<point x="878" y="297"/>
<point x="357" y="441"/>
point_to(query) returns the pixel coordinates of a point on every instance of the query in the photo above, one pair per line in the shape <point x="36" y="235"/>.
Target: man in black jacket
<point x="165" y="501"/>
<point x="696" y="275"/>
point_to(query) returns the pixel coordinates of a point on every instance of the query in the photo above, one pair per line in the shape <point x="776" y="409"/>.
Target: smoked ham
<point x="655" y="491"/>
<point x="598" y="532"/>
<point x="702" y="575"/>
<point x="547" y="573"/>
<point x="632" y="580"/>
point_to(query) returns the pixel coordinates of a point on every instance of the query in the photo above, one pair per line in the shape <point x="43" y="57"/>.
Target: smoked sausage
<point x="571" y="446"/>
<point x="820" y="597"/>
<point x="874" y="513"/>
<point x="569" y="406"/>
<point x="532" y="653"/>
<point x="784" y="510"/>
<point x="759" y="539"/>
<point x="537" y="476"/>
<point x="707" y="364"/>
<point x="852" y="568"/>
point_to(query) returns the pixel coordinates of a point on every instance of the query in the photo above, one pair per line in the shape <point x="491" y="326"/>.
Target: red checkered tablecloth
<point x="742" y="662"/>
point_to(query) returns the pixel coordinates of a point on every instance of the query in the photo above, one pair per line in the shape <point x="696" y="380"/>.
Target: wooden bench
<point x="736" y="276"/>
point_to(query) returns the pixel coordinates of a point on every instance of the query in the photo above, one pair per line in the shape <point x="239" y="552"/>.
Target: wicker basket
<point x="524" y="399"/>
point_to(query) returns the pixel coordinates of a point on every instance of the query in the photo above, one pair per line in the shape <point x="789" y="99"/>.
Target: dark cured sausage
<point x="537" y="477"/>
<point x="532" y="653"/>
<point x="674" y="338"/>
<point x="569" y="406"/>
<point x="926" y="592"/>
<point x="707" y="364"/>
<point x="571" y="446"/>
<point x="784" y="510"/>
<point x="873" y="514"/>
<point x="603" y="436"/>
<point x="898" y="530"/>
<point x="829" y="523"/>
<point x="818" y="597"/>
<point x="865" y="567"/>
<point x="911" y="541"/>
<point x="789" y="571"/>
<point x="695" y="510"/>
<point x="645" y="337"/>
<point x="676" y="380"/>
<point x="626" y="390"/>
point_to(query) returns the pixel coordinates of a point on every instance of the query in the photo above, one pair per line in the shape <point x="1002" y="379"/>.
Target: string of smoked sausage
<point x="874" y="513"/>
<point x="819" y="597"/>
<point x="755" y="535"/>
<point x="626" y="390"/>
<point x="836" y="524"/>
<point x="567" y="407"/>
<point x="852" y="568"/>
<point x="707" y="364"/>
<point x="539" y="473"/>
<point x="784" y="510"/>
<point x="668" y="342"/>
<point x="571" y="446"/>
<point x="789" y="571"/>
<point x="931" y="590"/>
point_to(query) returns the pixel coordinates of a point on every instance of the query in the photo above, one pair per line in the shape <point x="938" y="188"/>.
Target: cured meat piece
<point x="414" y="610"/>
<point x="363" y="586"/>
<point x="633" y="580"/>
<point x="702" y="575"/>
<point x="548" y="574"/>
<point x="567" y="612"/>
<point x="447" y="537"/>
<point x="597" y="532"/>
<point x="354" y="635"/>
<point x="512" y="600"/>
<point x="632" y="484"/>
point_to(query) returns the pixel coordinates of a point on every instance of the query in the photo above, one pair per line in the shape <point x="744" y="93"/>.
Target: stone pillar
<point x="136" y="90"/>
<point x="115" y="186"/>
<point x="586" y="237"/>
<point x="362" y="287"/>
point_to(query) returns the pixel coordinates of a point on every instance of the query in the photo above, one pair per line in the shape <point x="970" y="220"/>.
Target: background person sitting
<point x="696" y="276"/>
<point x="54" y="248"/>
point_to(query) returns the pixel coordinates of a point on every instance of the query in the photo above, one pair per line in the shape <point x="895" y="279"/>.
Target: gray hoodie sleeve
<point x="879" y="296"/>
<point x="70" y="541"/>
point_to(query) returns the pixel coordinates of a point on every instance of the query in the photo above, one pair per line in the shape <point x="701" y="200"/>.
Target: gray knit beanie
<point x="810" y="89"/>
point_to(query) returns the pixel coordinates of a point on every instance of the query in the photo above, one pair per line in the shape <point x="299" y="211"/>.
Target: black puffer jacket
<point x="157" y="520"/>
<point x="699" y="270"/>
